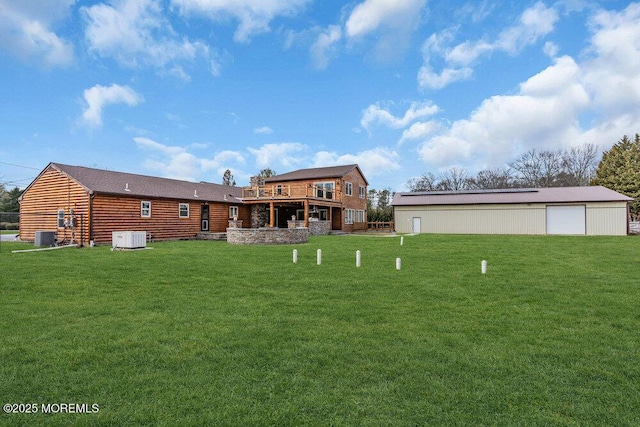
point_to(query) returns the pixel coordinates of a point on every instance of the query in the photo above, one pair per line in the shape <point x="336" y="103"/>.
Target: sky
<point x="187" y="89"/>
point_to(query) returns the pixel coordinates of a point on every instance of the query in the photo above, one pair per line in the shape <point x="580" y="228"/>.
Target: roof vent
<point x="225" y="197"/>
<point x="195" y="193"/>
<point x="126" y="187"/>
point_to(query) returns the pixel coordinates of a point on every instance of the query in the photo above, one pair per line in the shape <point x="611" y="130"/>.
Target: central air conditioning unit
<point x="45" y="238"/>
<point x="128" y="239"/>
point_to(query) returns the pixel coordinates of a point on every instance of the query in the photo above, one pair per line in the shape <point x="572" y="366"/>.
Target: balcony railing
<point x="271" y="192"/>
<point x="286" y="192"/>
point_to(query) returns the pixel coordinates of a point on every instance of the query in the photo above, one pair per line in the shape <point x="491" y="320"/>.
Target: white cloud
<point x="135" y="33"/>
<point x="178" y="163"/>
<point x="603" y="90"/>
<point x="264" y="130"/>
<point x="222" y="160"/>
<point x="99" y="97"/>
<point x="370" y="15"/>
<point x="324" y="46"/>
<point x="419" y="130"/>
<point x="428" y="79"/>
<point x="175" y="162"/>
<point x="534" y="23"/>
<point x="25" y="31"/>
<point x="254" y="16"/>
<point x="542" y="115"/>
<point x="376" y="114"/>
<point x="372" y="162"/>
<point x="287" y="154"/>
<point x="392" y="21"/>
<point x="613" y="72"/>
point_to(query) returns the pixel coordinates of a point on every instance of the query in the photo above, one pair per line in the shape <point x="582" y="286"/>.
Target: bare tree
<point x="455" y="179"/>
<point x="538" y="168"/>
<point x="427" y="182"/>
<point x="494" y="178"/>
<point x="580" y="164"/>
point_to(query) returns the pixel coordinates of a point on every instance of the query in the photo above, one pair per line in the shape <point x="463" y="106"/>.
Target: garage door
<point x="566" y="219"/>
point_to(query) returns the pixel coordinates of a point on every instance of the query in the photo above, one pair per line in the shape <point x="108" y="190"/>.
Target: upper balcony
<point x="290" y="192"/>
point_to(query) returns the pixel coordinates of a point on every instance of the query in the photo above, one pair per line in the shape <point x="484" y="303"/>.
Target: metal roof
<point x="128" y="184"/>
<point x="315" y="173"/>
<point x="511" y="196"/>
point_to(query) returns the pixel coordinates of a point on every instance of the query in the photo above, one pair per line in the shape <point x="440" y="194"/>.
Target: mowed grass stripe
<point x="211" y="333"/>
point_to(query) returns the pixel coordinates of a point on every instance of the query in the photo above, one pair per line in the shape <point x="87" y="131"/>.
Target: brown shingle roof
<point x="511" y="196"/>
<point x="315" y="173"/>
<point x="109" y="182"/>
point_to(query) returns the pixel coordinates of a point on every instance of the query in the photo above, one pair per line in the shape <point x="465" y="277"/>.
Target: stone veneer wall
<point x="319" y="228"/>
<point x="269" y="236"/>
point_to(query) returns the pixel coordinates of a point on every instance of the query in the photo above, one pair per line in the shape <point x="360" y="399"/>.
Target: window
<point x="61" y="218"/>
<point x="360" y="216"/>
<point x="233" y="212"/>
<point x="362" y="192"/>
<point x="145" y="209"/>
<point x="324" y="190"/>
<point x="348" y="216"/>
<point x="348" y="189"/>
<point x="184" y="210"/>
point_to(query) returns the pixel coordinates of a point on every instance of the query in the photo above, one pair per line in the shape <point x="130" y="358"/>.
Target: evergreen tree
<point x="227" y="178"/>
<point x="619" y="170"/>
<point x="9" y="199"/>
<point x="267" y="172"/>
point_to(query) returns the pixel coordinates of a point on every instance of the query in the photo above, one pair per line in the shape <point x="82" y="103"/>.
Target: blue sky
<point x="189" y="88"/>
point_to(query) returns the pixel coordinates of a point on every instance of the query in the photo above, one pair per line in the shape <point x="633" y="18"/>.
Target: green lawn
<point x="207" y="333"/>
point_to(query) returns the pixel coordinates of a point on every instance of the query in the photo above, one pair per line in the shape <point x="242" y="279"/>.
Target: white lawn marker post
<point x="319" y="256"/>
<point x="295" y="256"/>
<point x="401" y="240"/>
<point x="358" y="258"/>
<point x="483" y="267"/>
<point x="398" y="263"/>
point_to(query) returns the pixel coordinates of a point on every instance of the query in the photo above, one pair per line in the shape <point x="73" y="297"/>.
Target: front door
<point x="204" y="218"/>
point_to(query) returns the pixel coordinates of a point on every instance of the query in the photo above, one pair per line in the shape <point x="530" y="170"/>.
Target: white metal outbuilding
<point x="592" y="210"/>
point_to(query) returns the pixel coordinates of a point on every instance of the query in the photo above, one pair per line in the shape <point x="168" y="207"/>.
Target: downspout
<point x="90" y="216"/>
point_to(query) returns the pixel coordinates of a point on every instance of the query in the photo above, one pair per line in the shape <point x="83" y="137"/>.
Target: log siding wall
<point x="102" y="214"/>
<point x="53" y="191"/>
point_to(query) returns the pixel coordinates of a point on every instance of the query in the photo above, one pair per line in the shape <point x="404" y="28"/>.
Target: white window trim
<point x="323" y="186"/>
<point x="362" y="192"/>
<point x="180" y="206"/>
<point x="142" y="209"/>
<point x="349" y="216"/>
<point x="60" y="218"/>
<point x="348" y="189"/>
<point x="360" y="215"/>
<point x="233" y="211"/>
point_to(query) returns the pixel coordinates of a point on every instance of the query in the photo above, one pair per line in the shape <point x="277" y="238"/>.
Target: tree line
<point x="9" y="208"/>
<point x="570" y="167"/>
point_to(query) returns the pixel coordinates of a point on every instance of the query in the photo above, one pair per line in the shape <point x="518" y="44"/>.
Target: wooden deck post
<point x="306" y="213"/>
<point x="271" y="215"/>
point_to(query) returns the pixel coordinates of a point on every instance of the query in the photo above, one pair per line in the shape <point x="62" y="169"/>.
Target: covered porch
<point x="279" y="213"/>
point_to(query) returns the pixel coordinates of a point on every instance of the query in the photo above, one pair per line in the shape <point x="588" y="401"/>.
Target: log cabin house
<point x="85" y="205"/>
<point x="336" y="196"/>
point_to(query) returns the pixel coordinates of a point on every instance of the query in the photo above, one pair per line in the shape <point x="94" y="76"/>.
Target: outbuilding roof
<point x="128" y="184"/>
<point x="315" y="173"/>
<point x="511" y="196"/>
